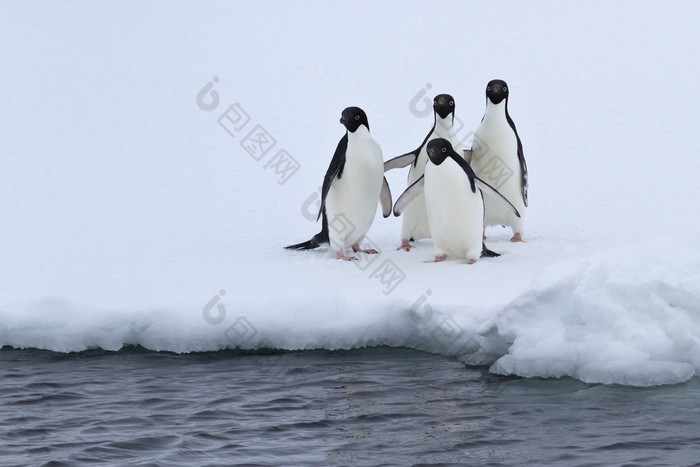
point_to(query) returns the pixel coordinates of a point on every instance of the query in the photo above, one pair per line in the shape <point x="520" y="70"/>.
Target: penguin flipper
<point x="410" y="157"/>
<point x="486" y="253"/>
<point x="411" y="193"/>
<point x="521" y="158"/>
<point x="523" y="172"/>
<point x="385" y="198"/>
<point x="493" y="193"/>
<point x="335" y="169"/>
<point x="475" y="181"/>
<point x="401" y="161"/>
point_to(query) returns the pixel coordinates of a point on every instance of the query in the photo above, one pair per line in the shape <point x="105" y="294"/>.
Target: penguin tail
<point x="486" y="253"/>
<point x="318" y="239"/>
<point x="307" y="245"/>
<point x="315" y="242"/>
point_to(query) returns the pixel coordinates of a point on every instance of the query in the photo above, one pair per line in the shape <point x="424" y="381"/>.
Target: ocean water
<point x="374" y="406"/>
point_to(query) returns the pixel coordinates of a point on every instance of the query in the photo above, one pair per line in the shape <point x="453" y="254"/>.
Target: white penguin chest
<point x="495" y="160"/>
<point x="445" y="129"/>
<point x="455" y="212"/>
<point x="363" y="164"/>
<point x="495" y="152"/>
<point x="355" y="195"/>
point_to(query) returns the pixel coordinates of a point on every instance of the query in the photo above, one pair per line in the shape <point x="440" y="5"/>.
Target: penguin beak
<point x="343" y="120"/>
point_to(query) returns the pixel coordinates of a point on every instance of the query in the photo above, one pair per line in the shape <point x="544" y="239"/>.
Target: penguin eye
<point x="444" y="149"/>
<point x="452" y="103"/>
<point x="357" y="117"/>
<point x="505" y="88"/>
<point x="435" y="102"/>
<point x="488" y="88"/>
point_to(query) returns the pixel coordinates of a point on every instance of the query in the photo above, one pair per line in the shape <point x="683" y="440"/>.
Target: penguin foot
<point x="517" y="238"/>
<point x="405" y="245"/>
<point x="357" y="249"/>
<point x="471" y="261"/>
<point x="345" y="258"/>
<point x="438" y="259"/>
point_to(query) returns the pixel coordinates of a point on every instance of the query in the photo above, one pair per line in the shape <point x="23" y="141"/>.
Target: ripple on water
<point x="371" y="406"/>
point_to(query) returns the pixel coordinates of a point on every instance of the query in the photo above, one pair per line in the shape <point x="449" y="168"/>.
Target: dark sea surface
<point x="377" y="406"/>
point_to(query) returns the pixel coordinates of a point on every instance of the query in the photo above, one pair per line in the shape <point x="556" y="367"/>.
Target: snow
<point x="128" y="208"/>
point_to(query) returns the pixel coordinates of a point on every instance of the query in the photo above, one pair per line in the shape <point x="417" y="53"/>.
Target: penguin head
<point x="353" y="117"/>
<point x="497" y="91"/>
<point x="443" y="105"/>
<point x="438" y="150"/>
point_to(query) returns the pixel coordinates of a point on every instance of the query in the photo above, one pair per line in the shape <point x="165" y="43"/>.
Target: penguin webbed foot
<point x="341" y="256"/>
<point x="405" y="245"/>
<point x="438" y="259"/>
<point x="357" y="249"/>
<point x="517" y="238"/>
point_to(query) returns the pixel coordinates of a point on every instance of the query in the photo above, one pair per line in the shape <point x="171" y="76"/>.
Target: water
<point x="377" y="406"/>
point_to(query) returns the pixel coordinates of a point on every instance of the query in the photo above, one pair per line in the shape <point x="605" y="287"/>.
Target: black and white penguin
<point x="415" y="221"/>
<point x="454" y="203"/>
<point x="353" y="185"/>
<point x="497" y="158"/>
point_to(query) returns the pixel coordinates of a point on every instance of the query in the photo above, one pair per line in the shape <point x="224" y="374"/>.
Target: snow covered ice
<point x="133" y="215"/>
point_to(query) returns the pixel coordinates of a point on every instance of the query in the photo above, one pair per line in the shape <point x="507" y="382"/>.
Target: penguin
<point x="415" y="221"/>
<point x="353" y="185"/>
<point x="497" y="158"/>
<point x="454" y="202"/>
